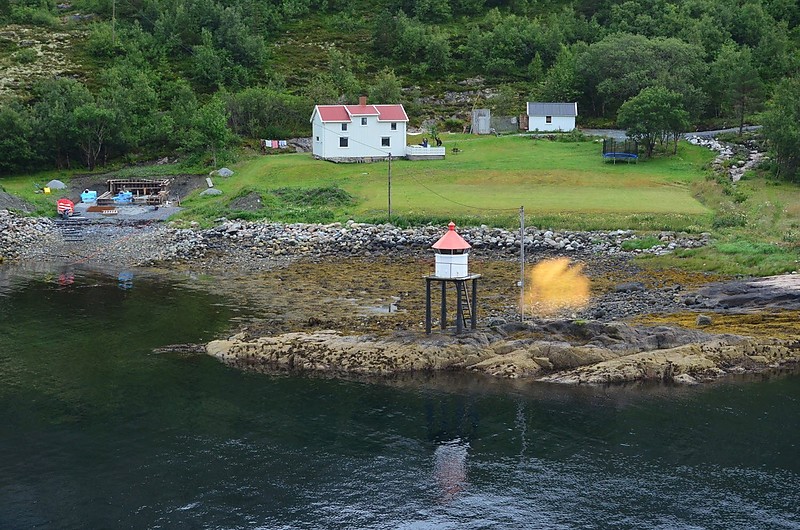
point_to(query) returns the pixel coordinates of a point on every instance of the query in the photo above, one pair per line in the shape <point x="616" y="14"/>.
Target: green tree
<point x="56" y="129"/>
<point x="342" y="67"/>
<point x="507" y="102"/>
<point x="321" y="90"/>
<point x="95" y="125"/>
<point x="183" y="106"/>
<point x="426" y="48"/>
<point x="561" y="80"/>
<point x="536" y="69"/>
<point x="782" y="128"/>
<point x="386" y="88"/>
<point x="132" y="95"/>
<point x="210" y="132"/>
<point x="618" y="67"/>
<point x="736" y="78"/>
<point x="653" y="115"/>
<point x="263" y="113"/>
<point x="15" y="142"/>
<point x="209" y="63"/>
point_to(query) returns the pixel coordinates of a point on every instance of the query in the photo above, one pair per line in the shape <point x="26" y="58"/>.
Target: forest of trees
<point x="201" y="76"/>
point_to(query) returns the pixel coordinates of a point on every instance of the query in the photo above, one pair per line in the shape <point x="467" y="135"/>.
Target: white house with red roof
<point x="359" y="133"/>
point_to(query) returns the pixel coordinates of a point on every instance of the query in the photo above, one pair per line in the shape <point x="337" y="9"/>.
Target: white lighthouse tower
<point x="452" y="255"/>
<point x="452" y="266"/>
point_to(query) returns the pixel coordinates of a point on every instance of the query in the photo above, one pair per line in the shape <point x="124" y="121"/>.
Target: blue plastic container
<point x="124" y="197"/>
<point x="89" y="196"/>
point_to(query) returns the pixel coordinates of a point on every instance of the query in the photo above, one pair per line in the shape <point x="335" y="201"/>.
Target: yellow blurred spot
<point x="553" y="285"/>
<point x="47" y="190"/>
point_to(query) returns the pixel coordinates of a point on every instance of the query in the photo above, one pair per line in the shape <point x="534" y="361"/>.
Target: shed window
<point x="385" y="142"/>
<point x="344" y="126"/>
<point x="548" y="119"/>
<point x="343" y="141"/>
<point x="394" y="126"/>
<point x="363" y="121"/>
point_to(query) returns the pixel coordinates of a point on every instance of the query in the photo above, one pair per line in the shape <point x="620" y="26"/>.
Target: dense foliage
<point x="191" y="76"/>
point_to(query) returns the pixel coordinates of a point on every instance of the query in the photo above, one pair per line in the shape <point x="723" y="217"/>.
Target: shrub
<point x="728" y="218"/>
<point x="305" y="197"/>
<point x="641" y="244"/>
<point x="453" y="125"/>
<point x="33" y="16"/>
<point x="26" y="56"/>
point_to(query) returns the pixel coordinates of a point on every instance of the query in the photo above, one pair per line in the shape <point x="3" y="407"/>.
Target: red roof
<point x="391" y="113"/>
<point x="343" y="113"/>
<point x="362" y="110"/>
<point x="451" y="240"/>
<point x="333" y="113"/>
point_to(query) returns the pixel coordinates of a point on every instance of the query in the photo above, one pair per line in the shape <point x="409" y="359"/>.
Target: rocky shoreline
<point x="595" y="344"/>
<point x="255" y="244"/>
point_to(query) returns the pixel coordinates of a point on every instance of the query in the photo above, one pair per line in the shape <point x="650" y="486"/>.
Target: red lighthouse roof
<point x="451" y="240"/>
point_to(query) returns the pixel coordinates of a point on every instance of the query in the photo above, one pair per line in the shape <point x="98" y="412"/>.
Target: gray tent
<point x="56" y="185"/>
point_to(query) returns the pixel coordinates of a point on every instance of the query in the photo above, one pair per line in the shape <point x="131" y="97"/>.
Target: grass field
<point x="488" y="180"/>
<point x="562" y="185"/>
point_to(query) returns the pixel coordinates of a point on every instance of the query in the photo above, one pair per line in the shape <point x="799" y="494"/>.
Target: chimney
<point x="362" y="100"/>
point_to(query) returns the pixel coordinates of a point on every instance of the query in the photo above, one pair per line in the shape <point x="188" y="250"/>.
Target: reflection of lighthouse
<point x="450" y="467"/>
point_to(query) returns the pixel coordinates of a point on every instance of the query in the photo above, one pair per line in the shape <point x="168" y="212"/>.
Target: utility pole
<point x="522" y="263"/>
<point x="390" y="187"/>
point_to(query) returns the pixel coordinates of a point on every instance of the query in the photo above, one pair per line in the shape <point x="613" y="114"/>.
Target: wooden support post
<point x="459" y="308"/>
<point x="474" y="312"/>
<point x="428" y="306"/>
<point x="443" y="315"/>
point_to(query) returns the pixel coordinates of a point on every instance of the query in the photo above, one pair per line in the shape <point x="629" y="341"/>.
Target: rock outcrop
<point x="614" y="353"/>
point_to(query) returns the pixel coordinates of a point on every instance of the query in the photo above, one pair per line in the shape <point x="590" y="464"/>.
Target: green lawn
<point x="489" y="179"/>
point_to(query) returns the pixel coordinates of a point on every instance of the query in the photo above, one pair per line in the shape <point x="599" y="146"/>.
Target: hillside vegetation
<point x="202" y="77"/>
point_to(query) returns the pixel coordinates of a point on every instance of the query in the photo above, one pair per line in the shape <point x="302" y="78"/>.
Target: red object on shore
<point x="65" y="207"/>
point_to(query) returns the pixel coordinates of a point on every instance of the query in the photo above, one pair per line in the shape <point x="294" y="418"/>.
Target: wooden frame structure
<point x="463" y="298"/>
<point x="144" y="191"/>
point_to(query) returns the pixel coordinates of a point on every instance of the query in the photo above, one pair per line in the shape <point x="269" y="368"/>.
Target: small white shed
<point x="552" y="116"/>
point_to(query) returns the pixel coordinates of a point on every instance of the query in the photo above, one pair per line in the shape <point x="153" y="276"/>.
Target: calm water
<point x="99" y="432"/>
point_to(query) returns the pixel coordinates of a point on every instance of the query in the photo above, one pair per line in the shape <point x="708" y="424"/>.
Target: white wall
<point x="363" y="140"/>
<point x="560" y="123"/>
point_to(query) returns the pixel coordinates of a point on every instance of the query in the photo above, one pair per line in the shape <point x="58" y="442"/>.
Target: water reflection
<point x="125" y="280"/>
<point x="450" y="468"/>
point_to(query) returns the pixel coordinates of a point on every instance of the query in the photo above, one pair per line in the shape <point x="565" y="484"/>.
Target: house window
<point x="385" y="142"/>
<point x="363" y="121"/>
<point x="394" y="126"/>
<point x="318" y="138"/>
<point x="548" y="119"/>
<point x="344" y="126"/>
<point x="343" y="141"/>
